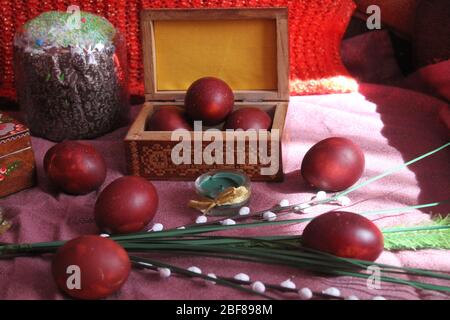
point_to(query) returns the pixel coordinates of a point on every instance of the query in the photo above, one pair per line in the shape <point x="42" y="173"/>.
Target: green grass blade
<point x="390" y="171"/>
<point x="205" y="229"/>
<point x="403" y="209"/>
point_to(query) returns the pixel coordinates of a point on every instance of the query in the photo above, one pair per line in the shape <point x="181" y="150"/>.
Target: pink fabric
<point x="392" y="125"/>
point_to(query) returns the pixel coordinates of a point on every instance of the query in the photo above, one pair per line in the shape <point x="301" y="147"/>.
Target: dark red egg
<point x="333" y="164"/>
<point x="126" y="205"/>
<point x="248" y="118"/>
<point x="344" y="234"/>
<point x="210" y="100"/>
<point x="90" y="267"/>
<point x="168" y="119"/>
<point x="75" y="167"/>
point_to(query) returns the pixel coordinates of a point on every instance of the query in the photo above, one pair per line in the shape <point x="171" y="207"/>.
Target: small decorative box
<point x="248" y="49"/>
<point x="17" y="165"/>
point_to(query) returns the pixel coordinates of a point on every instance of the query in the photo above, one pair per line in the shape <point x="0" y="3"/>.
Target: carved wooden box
<point x="248" y="49"/>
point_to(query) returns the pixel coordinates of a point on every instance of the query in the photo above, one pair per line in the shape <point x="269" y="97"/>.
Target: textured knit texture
<point x="316" y="30"/>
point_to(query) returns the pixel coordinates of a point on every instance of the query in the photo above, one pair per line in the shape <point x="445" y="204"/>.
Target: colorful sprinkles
<point x="60" y="29"/>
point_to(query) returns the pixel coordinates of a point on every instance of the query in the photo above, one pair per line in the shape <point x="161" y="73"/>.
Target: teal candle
<point x="212" y="184"/>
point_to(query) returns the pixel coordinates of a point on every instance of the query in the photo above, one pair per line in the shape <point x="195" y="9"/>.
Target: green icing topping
<point x="60" y="29"/>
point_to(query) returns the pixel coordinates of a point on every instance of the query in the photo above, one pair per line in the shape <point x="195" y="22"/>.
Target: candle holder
<point x="219" y="185"/>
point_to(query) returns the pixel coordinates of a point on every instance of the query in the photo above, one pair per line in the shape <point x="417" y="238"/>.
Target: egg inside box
<point x="246" y="48"/>
<point x="270" y="109"/>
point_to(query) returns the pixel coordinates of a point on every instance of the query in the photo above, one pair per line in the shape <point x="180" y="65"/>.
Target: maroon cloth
<point x="433" y="80"/>
<point x="362" y="55"/>
<point x="392" y="125"/>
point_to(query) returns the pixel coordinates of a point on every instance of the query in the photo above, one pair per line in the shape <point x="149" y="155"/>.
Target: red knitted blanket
<point x="316" y="28"/>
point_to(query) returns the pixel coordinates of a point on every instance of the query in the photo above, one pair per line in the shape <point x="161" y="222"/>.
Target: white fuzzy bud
<point x="344" y="201"/>
<point x="244" y="211"/>
<point x="259" y="287"/>
<point x="242" y="277"/>
<point x="181" y="228"/>
<point x="195" y="269"/>
<point x="284" y="203"/>
<point x="164" y="272"/>
<point x="305" y="293"/>
<point x="321" y="195"/>
<point x="212" y="275"/>
<point x="228" y="222"/>
<point x="378" y="298"/>
<point x="201" y="219"/>
<point x="104" y="235"/>
<point x="289" y="284"/>
<point x="157" y="227"/>
<point x="269" y="216"/>
<point x="335" y="292"/>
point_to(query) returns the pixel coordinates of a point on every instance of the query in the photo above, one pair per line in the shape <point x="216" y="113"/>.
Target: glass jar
<point x="71" y="75"/>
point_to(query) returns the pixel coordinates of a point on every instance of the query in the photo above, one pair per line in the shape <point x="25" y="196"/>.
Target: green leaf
<point x="432" y="236"/>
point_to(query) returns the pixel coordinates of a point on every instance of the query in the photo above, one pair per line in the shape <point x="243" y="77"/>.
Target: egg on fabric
<point x="75" y="167"/>
<point x="126" y="205"/>
<point x="344" y="234"/>
<point x="333" y="164"/>
<point x="90" y="267"/>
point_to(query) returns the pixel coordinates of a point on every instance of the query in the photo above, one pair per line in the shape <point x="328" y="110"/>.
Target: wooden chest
<point x="248" y="49"/>
<point x="17" y="165"/>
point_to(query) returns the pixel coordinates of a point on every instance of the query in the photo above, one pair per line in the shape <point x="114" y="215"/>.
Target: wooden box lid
<point x="14" y="136"/>
<point x="247" y="48"/>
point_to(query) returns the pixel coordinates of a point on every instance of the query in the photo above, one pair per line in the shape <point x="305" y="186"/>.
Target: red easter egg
<point x="333" y="164"/>
<point x="344" y="234"/>
<point x="75" y="167"/>
<point x="168" y="119"/>
<point x="126" y="205"/>
<point x="248" y="118"/>
<point x="210" y="100"/>
<point x="90" y="267"/>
